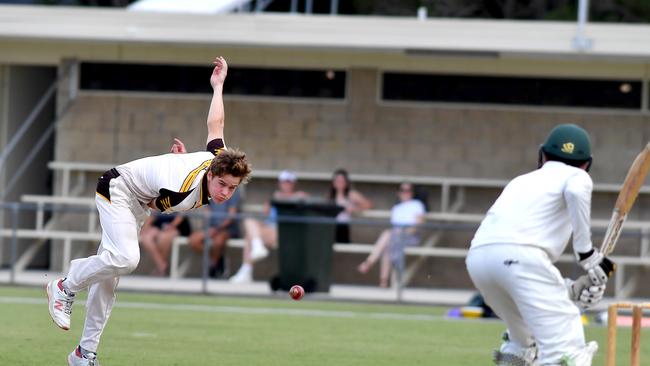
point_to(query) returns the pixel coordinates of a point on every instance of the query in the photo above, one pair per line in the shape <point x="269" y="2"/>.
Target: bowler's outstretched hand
<point x="219" y="72"/>
<point x="178" y="147"/>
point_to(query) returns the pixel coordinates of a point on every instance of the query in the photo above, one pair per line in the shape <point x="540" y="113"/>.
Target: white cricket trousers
<point x="118" y="254"/>
<point x="527" y="291"/>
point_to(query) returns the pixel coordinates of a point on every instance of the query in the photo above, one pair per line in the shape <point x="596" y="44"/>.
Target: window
<point x="512" y="90"/>
<point x="194" y="79"/>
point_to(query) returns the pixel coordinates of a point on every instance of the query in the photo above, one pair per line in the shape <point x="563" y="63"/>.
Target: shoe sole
<point x="49" y="308"/>
<point x="70" y="361"/>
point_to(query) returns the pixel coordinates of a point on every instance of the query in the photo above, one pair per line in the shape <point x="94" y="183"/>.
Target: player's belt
<point x="103" y="183"/>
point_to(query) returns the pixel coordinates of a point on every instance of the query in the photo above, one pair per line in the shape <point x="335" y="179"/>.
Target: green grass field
<point x="153" y="329"/>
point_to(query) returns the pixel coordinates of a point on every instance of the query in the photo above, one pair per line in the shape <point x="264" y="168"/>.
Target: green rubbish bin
<point x="305" y="248"/>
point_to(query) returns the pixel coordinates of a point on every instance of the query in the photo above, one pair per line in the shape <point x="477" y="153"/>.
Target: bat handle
<point x="613" y="232"/>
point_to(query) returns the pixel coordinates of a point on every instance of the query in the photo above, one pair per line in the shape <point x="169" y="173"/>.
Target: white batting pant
<point x="527" y="291"/>
<point x="118" y="254"/>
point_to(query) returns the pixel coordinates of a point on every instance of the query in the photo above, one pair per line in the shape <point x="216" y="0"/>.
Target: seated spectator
<point x="223" y="226"/>
<point x="342" y="194"/>
<point x="263" y="234"/>
<point x="157" y="235"/>
<point x="405" y="217"/>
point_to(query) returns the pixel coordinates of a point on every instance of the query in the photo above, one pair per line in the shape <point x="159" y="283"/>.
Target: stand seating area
<point x="452" y="205"/>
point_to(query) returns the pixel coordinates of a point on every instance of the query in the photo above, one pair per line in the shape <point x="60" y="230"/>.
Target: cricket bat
<point x="626" y="197"/>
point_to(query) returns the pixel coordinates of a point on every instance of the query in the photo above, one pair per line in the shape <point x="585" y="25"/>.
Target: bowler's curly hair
<point x="233" y="162"/>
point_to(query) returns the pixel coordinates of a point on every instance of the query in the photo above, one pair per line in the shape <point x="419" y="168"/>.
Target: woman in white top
<point x="353" y="202"/>
<point x="405" y="217"/>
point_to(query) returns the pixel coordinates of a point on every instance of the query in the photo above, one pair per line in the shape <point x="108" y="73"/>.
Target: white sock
<point x="85" y="352"/>
<point x="65" y="288"/>
<point x="245" y="267"/>
<point x="257" y="243"/>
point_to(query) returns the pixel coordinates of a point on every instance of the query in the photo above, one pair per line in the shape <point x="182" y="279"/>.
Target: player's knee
<point x="132" y="261"/>
<point x="127" y="263"/>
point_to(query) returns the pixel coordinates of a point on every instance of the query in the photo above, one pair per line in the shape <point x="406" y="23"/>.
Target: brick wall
<point x="360" y="134"/>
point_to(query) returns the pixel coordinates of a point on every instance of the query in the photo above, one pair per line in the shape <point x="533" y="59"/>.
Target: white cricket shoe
<point x="584" y="357"/>
<point x="75" y="358"/>
<point x="258" y="251"/>
<point x="511" y="354"/>
<point x="244" y="275"/>
<point x="510" y="359"/>
<point x="59" y="303"/>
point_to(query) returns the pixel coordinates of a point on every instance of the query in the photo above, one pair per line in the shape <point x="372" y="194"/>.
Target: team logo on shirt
<point x="510" y="262"/>
<point x="169" y="199"/>
<point x="568" y="147"/>
<point x="165" y="203"/>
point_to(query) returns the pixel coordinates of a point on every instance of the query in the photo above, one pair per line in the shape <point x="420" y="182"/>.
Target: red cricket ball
<point x="296" y="292"/>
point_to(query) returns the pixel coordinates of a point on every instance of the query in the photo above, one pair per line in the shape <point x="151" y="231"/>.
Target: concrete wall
<point x="361" y="134"/>
<point x="23" y="87"/>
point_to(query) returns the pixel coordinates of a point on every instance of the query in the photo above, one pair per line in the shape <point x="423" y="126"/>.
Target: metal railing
<point x="16" y="231"/>
<point x="40" y="229"/>
<point x="26" y="161"/>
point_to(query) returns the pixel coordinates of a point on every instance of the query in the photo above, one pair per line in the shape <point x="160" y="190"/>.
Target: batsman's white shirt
<point x="542" y="209"/>
<point x="511" y="259"/>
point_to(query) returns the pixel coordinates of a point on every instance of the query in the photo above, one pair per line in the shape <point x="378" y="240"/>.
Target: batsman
<point x="512" y="254"/>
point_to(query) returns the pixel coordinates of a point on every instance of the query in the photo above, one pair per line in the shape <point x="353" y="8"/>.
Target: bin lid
<point x="324" y="208"/>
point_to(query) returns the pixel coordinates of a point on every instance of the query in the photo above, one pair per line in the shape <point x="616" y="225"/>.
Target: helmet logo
<point x="568" y="147"/>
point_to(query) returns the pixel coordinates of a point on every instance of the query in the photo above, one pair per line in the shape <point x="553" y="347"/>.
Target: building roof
<point x="187" y="6"/>
<point x="455" y="37"/>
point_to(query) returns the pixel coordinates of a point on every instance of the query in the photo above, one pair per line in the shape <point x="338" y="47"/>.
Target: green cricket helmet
<point x="569" y="144"/>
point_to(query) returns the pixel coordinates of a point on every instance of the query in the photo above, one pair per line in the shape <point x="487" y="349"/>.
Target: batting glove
<point x="591" y="296"/>
<point x="583" y="293"/>
<point x="599" y="268"/>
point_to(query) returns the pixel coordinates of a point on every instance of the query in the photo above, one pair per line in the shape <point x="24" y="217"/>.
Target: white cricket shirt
<point x="174" y="182"/>
<point x="542" y="208"/>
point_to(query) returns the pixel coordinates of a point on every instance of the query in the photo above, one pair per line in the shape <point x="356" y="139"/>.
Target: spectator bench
<point x="68" y="169"/>
<point x="447" y="210"/>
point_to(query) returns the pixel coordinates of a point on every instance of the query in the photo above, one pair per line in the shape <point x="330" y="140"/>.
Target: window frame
<point x="381" y="100"/>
